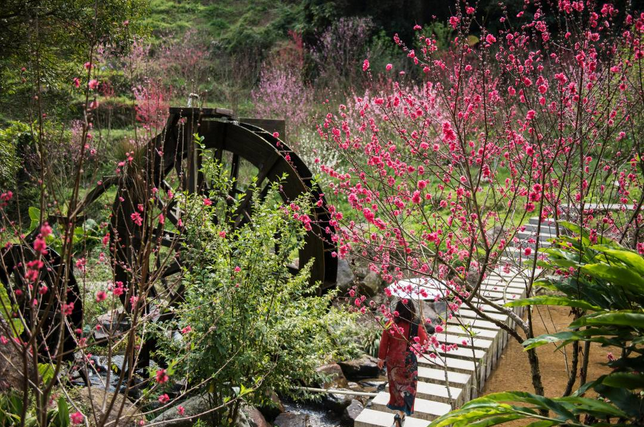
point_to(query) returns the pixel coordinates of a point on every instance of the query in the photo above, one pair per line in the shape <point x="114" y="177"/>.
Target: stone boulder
<point x="335" y="376"/>
<point x="345" y="277"/>
<point x="352" y="411"/>
<point x="112" y="322"/>
<point x="364" y="367"/>
<point x="292" y="419"/>
<point x="371" y="285"/>
<point x="274" y="409"/>
<point x="336" y="402"/>
<point x="193" y="406"/>
<point x="254" y="417"/>
<point x="97" y="402"/>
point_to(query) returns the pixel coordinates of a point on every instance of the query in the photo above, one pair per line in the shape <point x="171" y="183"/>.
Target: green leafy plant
<point x="249" y="325"/>
<point x="10" y="139"/>
<point x="352" y="335"/>
<point x="84" y="237"/>
<point x="11" y="408"/>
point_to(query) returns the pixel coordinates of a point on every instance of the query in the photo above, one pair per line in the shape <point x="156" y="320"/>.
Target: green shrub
<point x="11" y="138"/>
<point x="249" y="324"/>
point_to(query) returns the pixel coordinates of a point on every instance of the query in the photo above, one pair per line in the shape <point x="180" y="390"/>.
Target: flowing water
<point x="318" y="415"/>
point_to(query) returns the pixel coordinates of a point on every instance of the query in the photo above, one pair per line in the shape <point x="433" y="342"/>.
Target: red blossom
<point x="161" y="376"/>
<point x="76" y="418"/>
<point x="40" y="245"/>
<point x="101" y="296"/>
<point x="136" y="218"/>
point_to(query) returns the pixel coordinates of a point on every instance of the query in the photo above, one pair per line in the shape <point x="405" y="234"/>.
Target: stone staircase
<point x="450" y="379"/>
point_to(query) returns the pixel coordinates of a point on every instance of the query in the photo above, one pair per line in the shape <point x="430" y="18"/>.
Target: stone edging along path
<point x="468" y="367"/>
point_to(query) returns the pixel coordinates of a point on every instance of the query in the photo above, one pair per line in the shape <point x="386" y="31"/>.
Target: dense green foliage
<point x="12" y="138"/>
<point x="249" y="324"/>
<point x="45" y="44"/>
<point x="11" y="406"/>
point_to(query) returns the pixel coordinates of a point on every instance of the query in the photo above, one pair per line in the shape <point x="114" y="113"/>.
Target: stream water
<point x="318" y="416"/>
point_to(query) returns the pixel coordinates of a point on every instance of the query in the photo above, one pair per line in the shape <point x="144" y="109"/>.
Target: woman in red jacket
<point x="398" y="338"/>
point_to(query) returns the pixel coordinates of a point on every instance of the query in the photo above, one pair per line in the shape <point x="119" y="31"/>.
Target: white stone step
<point x="490" y="334"/>
<point x="498" y="301"/>
<point x="516" y="284"/>
<point x="548" y="221"/>
<point x="500" y="272"/>
<point x="514" y="281"/>
<point x="466" y="314"/>
<point x="455" y="379"/>
<point x="491" y="293"/>
<point x="517" y="310"/>
<point x="545" y="229"/>
<point x="514" y="255"/>
<point x="481" y="368"/>
<point x="473" y="323"/>
<point x="476" y="342"/>
<point x="463" y="312"/>
<point x="423" y="408"/>
<point x="500" y="293"/>
<point x="500" y="335"/>
<point x="462" y="353"/>
<point x="503" y="287"/>
<point x="439" y="393"/>
<point x="453" y="364"/>
<point x="493" y="332"/>
<point x="525" y="235"/>
<point x="372" y="418"/>
<point x="487" y="308"/>
<point x="437" y="376"/>
<point x="523" y="243"/>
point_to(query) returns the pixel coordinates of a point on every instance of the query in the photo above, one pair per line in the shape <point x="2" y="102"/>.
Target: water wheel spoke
<point x="267" y="167"/>
<point x="170" y="239"/>
<point x="234" y="172"/>
<point x="170" y="281"/>
<point x="244" y="211"/>
<point x="172" y="211"/>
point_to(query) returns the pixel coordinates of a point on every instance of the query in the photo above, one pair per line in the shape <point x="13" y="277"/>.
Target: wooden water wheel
<point x="60" y="300"/>
<point x="172" y="161"/>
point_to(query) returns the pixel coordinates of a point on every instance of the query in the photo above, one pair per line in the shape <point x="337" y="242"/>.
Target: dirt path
<point x="513" y="370"/>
